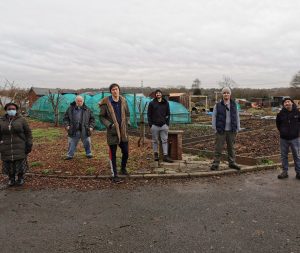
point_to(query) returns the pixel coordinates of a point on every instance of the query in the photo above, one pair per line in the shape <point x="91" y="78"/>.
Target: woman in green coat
<point x="16" y="144"/>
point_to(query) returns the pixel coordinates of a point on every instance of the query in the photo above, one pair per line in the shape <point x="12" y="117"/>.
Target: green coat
<point x="16" y="138"/>
<point x="117" y="133"/>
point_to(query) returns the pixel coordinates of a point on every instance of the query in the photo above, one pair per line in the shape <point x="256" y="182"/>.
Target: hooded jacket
<point x="87" y="120"/>
<point x="16" y="138"/>
<point x="115" y="132"/>
<point x="288" y="123"/>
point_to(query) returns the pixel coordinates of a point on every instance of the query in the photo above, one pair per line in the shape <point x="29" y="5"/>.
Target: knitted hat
<point x="285" y="99"/>
<point x="226" y="89"/>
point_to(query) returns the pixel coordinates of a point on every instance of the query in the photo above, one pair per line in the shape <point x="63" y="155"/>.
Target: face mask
<point x="11" y="112"/>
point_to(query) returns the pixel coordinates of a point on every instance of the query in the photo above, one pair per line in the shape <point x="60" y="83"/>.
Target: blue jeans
<point x="284" y="149"/>
<point x="73" y="141"/>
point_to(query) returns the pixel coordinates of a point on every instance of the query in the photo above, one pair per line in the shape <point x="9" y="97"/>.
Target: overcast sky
<point x="77" y="44"/>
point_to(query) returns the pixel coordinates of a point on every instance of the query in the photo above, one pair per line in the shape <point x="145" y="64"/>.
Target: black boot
<point x="234" y="166"/>
<point x="124" y="172"/>
<point x="284" y="174"/>
<point x="11" y="180"/>
<point x="214" y="167"/>
<point x="156" y="157"/>
<point x="167" y="159"/>
<point x="20" y="180"/>
<point x="116" y="180"/>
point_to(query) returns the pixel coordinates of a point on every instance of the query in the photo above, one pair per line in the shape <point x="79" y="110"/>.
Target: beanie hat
<point x="226" y="89"/>
<point x="285" y="99"/>
<point x="158" y="90"/>
<point x="11" y="103"/>
<point x="113" y="85"/>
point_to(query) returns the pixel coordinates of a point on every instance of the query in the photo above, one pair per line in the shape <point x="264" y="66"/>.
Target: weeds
<point x="36" y="164"/>
<point x="90" y="171"/>
<point x="50" y="134"/>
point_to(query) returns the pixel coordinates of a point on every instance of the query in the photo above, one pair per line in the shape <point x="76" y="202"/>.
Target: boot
<point x="298" y="175"/>
<point x="283" y="175"/>
<point x="11" y="180"/>
<point x="116" y="180"/>
<point x="214" y="167"/>
<point x="124" y="172"/>
<point x="167" y="159"/>
<point x="234" y="166"/>
<point x="156" y="157"/>
<point x="20" y="180"/>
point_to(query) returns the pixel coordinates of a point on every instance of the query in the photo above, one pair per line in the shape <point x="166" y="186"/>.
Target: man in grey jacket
<point x="79" y="123"/>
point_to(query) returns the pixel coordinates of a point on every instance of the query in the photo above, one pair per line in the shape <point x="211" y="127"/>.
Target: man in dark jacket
<point x="79" y="123"/>
<point x="287" y="122"/>
<point x="226" y="123"/>
<point x="159" y="120"/>
<point x="115" y="116"/>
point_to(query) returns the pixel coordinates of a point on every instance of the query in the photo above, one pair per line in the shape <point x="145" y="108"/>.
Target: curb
<point x="178" y="175"/>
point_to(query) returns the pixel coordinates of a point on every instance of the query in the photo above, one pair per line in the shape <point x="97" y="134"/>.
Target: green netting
<point x="138" y="106"/>
<point x="42" y="108"/>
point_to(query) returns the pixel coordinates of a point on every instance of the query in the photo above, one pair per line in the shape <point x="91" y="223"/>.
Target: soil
<point x="255" y="143"/>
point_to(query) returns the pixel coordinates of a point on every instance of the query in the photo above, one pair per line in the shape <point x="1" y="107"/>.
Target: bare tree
<point x="227" y="81"/>
<point x="55" y="100"/>
<point x="295" y="82"/>
<point x="10" y="92"/>
<point x="196" y="87"/>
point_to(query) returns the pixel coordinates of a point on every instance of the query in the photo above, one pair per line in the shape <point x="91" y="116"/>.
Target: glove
<point x="28" y="148"/>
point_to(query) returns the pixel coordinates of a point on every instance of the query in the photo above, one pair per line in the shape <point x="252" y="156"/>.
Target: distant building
<point x="260" y="102"/>
<point x="181" y="98"/>
<point x="35" y="93"/>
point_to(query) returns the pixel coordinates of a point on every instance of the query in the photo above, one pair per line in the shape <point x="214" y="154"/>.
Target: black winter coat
<point x="87" y="120"/>
<point x="16" y="138"/>
<point x="288" y="123"/>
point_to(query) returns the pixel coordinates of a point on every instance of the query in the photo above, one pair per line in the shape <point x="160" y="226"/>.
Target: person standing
<point x="159" y="120"/>
<point x="16" y="144"/>
<point x="79" y="123"/>
<point x="287" y="122"/>
<point x="226" y="123"/>
<point x="115" y="116"/>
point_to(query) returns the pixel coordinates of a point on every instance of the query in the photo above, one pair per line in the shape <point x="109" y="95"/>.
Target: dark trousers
<point x="113" y="158"/>
<point x="229" y="138"/>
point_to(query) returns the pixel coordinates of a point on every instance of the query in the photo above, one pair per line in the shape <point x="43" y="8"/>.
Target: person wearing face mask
<point x="287" y="122"/>
<point x="226" y="123"/>
<point x="16" y="144"/>
<point x="79" y="122"/>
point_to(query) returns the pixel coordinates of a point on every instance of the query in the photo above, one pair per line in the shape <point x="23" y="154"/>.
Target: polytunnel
<point x="138" y="106"/>
<point x="43" y="110"/>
